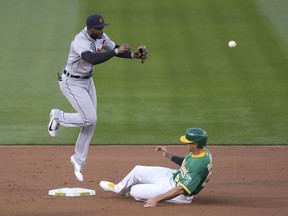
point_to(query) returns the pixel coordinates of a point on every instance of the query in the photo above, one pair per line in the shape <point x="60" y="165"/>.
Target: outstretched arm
<point x="153" y="202"/>
<point x="140" y="53"/>
<point x="98" y="58"/>
<point x="127" y="54"/>
<point x="165" y="153"/>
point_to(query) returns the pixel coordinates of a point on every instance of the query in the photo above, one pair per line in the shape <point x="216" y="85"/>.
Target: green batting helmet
<point x="195" y="135"/>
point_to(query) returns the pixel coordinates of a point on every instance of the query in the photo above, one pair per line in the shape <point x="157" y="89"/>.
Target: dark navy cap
<point x="96" y="21"/>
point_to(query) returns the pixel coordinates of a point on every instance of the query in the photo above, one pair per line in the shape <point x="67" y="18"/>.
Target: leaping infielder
<point x="90" y="47"/>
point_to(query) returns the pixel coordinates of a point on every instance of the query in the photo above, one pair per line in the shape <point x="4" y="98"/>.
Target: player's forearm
<point x="170" y="194"/>
<point x="177" y="160"/>
<point x="166" y="196"/>
<point x="165" y="153"/>
<point x="97" y="58"/>
<point x="127" y="54"/>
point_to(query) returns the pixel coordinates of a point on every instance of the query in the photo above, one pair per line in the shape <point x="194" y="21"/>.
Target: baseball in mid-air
<point x="232" y="44"/>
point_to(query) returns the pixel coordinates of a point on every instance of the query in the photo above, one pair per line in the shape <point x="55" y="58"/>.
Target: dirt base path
<point x="245" y="181"/>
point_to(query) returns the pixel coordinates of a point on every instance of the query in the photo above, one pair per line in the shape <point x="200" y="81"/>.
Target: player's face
<point x="96" y="33"/>
<point x="191" y="146"/>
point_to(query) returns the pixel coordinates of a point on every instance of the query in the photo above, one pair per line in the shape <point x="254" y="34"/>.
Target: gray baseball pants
<point x="81" y="94"/>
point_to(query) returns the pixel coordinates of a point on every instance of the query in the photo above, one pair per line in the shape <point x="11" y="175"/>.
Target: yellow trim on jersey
<point x="200" y="155"/>
<point x="185" y="188"/>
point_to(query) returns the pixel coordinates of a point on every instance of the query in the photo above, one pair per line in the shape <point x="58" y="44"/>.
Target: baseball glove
<point x="141" y="53"/>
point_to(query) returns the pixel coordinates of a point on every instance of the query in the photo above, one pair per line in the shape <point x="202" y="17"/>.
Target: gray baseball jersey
<point x="82" y="43"/>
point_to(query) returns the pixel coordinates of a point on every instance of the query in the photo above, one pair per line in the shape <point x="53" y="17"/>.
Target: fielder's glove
<point x="141" y="53"/>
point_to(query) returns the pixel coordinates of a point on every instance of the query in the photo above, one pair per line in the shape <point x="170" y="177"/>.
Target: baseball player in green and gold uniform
<point x="154" y="184"/>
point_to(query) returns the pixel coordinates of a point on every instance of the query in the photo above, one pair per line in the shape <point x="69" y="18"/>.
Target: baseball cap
<point x="96" y="21"/>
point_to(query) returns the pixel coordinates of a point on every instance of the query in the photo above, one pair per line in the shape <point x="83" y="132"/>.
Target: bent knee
<point x="90" y="120"/>
<point x="138" y="167"/>
<point x="136" y="193"/>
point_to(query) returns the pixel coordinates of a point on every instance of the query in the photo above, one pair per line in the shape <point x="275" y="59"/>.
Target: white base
<point x="71" y="192"/>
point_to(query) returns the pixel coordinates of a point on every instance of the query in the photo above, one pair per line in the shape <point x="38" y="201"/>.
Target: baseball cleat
<point x="53" y="124"/>
<point x="107" y="186"/>
<point x="77" y="170"/>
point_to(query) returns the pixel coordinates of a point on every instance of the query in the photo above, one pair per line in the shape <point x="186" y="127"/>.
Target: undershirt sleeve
<point x="97" y="58"/>
<point x="177" y="160"/>
<point x="123" y="55"/>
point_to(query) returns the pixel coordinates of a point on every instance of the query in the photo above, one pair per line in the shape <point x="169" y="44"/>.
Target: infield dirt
<point x="245" y="181"/>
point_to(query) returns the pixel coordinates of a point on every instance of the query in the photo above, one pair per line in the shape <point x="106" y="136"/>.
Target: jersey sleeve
<point x="109" y="44"/>
<point x="80" y="46"/>
<point x="190" y="182"/>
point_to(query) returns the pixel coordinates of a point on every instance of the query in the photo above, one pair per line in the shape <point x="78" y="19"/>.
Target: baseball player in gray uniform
<point x="90" y="47"/>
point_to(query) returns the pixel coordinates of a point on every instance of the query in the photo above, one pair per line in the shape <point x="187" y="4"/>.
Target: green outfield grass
<point x="191" y="79"/>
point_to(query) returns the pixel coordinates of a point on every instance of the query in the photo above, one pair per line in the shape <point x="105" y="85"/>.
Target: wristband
<point x="116" y="51"/>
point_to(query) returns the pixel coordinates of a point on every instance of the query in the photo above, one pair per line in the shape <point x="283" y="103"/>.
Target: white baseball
<point x="232" y="44"/>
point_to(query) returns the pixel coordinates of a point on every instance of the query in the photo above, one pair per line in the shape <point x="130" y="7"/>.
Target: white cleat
<point x="107" y="186"/>
<point x="53" y="124"/>
<point x="77" y="170"/>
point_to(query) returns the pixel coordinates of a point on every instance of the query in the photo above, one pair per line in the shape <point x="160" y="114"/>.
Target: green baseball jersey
<point x="194" y="173"/>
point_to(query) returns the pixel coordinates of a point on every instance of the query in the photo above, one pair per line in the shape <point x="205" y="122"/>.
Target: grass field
<point x="191" y="79"/>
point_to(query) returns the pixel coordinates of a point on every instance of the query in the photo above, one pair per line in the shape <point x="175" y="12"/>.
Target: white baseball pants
<point x="145" y="182"/>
